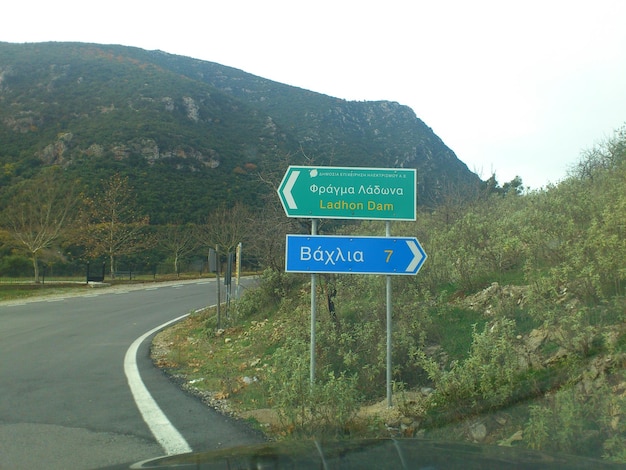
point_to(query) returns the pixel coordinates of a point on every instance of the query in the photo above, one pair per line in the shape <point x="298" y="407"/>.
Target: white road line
<point x="162" y="429"/>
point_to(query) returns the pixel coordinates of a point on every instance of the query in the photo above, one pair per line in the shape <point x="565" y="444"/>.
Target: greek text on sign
<point x="353" y="255"/>
<point x="349" y="193"/>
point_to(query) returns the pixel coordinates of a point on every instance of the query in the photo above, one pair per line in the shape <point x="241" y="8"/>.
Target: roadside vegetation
<point x="513" y="333"/>
<point x="15" y="288"/>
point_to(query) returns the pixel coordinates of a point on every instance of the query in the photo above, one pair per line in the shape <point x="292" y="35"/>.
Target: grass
<point x="225" y="365"/>
<point x="17" y="291"/>
<point x="13" y="288"/>
<point x="455" y="331"/>
<point x="229" y="363"/>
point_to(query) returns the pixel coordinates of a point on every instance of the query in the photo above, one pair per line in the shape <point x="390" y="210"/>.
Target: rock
<point x="255" y="362"/>
<point x="478" y="432"/>
<point x="518" y="436"/>
<point x="536" y="339"/>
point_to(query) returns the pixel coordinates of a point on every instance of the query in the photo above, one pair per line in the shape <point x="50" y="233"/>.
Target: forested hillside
<point x="155" y="148"/>
<point x="190" y="134"/>
<point x="512" y="334"/>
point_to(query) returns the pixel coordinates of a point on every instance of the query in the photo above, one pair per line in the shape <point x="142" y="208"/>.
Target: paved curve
<point x="65" y="401"/>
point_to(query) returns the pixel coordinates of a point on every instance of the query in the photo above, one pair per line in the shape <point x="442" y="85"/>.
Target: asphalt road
<point x="65" y="393"/>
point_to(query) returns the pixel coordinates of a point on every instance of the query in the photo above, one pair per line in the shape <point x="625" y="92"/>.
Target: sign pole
<point x="313" y="311"/>
<point x="238" y="270"/>
<point x="388" y="288"/>
<point x="351" y="193"/>
<point x="217" y="283"/>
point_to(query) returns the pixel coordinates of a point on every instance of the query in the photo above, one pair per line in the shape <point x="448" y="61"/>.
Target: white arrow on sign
<point x="291" y="202"/>
<point x="417" y="256"/>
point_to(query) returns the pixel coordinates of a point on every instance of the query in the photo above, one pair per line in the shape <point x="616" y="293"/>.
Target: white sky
<point x="512" y="87"/>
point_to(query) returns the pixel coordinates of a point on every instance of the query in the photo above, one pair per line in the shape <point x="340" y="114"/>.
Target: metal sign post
<point x="313" y="310"/>
<point x="238" y="271"/>
<point x="388" y="301"/>
<point x="228" y="276"/>
<point x="214" y="266"/>
<point x="351" y="193"/>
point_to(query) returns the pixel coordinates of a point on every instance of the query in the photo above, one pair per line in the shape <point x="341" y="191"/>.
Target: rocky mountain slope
<point x="196" y="131"/>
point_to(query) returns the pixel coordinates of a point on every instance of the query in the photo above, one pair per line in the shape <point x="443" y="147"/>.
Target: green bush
<point x="16" y="266"/>
<point x="273" y="288"/>
<point x="323" y="409"/>
<point x="578" y="421"/>
<point x="483" y="382"/>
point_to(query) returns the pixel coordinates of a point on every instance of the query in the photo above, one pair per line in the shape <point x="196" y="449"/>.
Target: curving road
<point x="71" y="377"/>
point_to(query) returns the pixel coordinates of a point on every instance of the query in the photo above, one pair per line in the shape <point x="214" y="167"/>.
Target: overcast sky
<point x="512" y="87"/>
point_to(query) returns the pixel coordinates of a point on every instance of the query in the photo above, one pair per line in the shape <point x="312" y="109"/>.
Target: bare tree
<point x="114" y="228"/>
<point x="226" y="228"/>
<point x="38" y="213"/>
<point x="269" y="226"/>
<point x="604" y="156"/>
<point x="179" y="241"/>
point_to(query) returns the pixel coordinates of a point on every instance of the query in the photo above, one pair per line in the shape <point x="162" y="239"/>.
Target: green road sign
<point x="326" y="192"/>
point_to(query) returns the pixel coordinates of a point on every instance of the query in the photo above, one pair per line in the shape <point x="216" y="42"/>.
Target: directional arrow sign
<point x="353" y="255"/>
<point x="349" y="193"/>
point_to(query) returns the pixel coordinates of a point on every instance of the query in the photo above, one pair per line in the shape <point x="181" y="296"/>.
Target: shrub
<point x="16" y="266"/>
<point x="271" y="291"/>
<point x="575" y="420"/>
<point x="484" y="381"/>
<point x="326" y="408"/>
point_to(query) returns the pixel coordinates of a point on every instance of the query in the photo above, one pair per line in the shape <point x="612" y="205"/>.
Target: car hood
<point x="369" y="454"/>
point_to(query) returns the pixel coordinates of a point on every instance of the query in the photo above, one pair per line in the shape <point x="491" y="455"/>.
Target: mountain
<point x="192" y="134"/>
